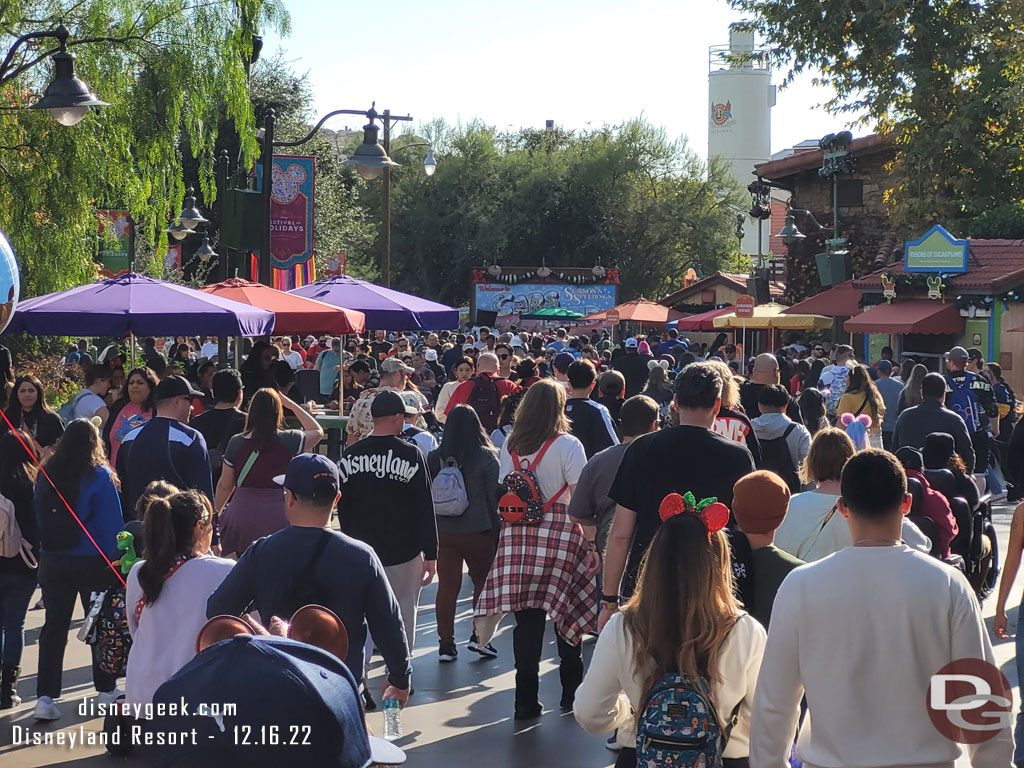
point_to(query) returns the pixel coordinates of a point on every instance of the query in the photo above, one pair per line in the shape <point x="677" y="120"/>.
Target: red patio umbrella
<point x="294" y="314"/>
<point x="644" y="312"/>
<point x="705" y="321"/>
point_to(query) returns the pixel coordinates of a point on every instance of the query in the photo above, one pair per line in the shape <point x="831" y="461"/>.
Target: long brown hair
<point x="77" y="455"/>
<point x="170" y="531"/>
<point x="540" y="415"/>
<point x="860" y="383"/>
<point x="912" y="386"/>
<point x="683" y="608"/>
<point x="266" y="416"/>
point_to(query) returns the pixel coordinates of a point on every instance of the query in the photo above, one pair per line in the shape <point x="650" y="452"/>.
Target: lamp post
<point x="834" y="263"/>
<point x="370" y="158"/>
<point x="66" y="97"/>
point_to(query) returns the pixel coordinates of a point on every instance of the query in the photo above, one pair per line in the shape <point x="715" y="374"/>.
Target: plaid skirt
<point x="541" y="566"/>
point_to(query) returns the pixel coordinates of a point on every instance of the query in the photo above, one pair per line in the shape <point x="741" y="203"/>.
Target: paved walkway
<point x="461" y="713"/>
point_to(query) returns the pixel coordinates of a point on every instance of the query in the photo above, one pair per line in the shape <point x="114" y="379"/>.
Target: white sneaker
<point x="109" y="697"/>
<point x="46" y="709"/>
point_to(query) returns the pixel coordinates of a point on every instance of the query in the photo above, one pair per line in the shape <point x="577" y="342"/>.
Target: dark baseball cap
<point x="387" y="403"/>
<point x="174" y="386"/>
<point x="884" y="366"/>
<point x="312" y="476"/>
<point x="307" y="693"/>
<point x="563" y="360"/>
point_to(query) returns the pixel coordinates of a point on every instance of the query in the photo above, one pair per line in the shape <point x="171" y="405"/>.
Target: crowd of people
<point x="728" y="527"/>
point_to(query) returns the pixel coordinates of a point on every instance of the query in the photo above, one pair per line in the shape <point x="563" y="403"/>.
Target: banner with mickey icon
<point x="291" y="210"/>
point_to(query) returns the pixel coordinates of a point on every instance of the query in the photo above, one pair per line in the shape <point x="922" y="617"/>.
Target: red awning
<point x="705" y="321"/>
<point x="921" y="316"/>
<point x="840" y="301"/>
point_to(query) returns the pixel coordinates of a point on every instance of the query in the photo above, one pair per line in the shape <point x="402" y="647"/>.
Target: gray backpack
<point x="67" y="411"/>
<point x="449" y="490"/>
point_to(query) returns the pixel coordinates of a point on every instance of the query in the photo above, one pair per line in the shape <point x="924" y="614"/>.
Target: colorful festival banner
<point x="114" y="230"/>
<point x="291" y="210"/>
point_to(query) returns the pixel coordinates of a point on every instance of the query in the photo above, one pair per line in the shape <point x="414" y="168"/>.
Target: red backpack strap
<point x="540" y="455"/>
<point x="541" y="452"/>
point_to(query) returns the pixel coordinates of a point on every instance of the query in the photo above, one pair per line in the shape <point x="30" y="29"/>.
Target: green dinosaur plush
<point x="126" y="543"/>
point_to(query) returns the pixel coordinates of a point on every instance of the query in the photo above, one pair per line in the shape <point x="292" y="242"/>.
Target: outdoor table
<point x="333" y="425"/>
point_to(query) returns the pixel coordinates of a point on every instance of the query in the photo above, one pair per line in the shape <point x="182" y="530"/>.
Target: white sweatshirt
<point x="861" y="632"/>
<point x="612" y="691"/>
<point x="164" y="638"/>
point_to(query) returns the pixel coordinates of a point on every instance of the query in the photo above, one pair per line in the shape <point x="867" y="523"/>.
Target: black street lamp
<point x="837" y="160"/>
<point x="371" y="160"/>
<point x="66" y="97"/>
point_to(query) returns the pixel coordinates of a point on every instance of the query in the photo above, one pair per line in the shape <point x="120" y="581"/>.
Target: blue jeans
<point x="15" y="595"/>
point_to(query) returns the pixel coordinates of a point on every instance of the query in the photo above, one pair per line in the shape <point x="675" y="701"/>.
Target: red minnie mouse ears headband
<point x="712" y="512"/>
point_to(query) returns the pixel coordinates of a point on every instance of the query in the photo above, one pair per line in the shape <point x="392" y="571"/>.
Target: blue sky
<point x="513" y="64"/>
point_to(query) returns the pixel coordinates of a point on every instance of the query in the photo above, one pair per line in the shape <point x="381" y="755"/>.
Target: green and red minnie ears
<point x="711" y="511"/>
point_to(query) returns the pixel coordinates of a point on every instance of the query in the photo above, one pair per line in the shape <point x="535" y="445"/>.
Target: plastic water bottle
<point x="392" y="720"/>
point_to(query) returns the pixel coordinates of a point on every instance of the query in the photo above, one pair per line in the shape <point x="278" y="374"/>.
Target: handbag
<point x="109" y="634"/>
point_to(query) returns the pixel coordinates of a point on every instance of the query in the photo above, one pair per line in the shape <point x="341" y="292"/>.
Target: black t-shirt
<point x="591" y="424"/>
<point x="385" y="499"/>
<point x="674" y="460"/>
<point x="380" y="349"/>
<point x="217" y="426"/>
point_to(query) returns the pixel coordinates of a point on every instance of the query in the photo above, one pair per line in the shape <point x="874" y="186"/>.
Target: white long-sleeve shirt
<point x="164" y="637"/>
<point x="861" y="632"/>
<point x="612" y="690"/>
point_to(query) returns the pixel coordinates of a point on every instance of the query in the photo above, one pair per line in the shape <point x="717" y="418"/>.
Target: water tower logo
<point x="721" y="114"/>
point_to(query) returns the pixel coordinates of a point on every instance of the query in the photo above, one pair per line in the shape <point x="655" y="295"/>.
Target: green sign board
<point x="935" y="251"/>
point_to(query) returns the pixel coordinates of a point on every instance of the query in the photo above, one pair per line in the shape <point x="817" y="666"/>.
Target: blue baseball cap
<point x="563" y="360"/>
<point x="311" y="475"/>
<point x="307" y="695"/>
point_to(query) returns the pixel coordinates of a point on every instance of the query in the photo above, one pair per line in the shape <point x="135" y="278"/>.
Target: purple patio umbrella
<point x="383" y="307"/>
<point x="141" y="305"/>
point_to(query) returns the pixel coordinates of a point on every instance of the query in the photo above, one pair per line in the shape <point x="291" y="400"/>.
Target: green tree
<point x="623" y="197"/>
<point x="943" y="77"/>
<point x="172" y="71"/>
<point x="341" y="224"/>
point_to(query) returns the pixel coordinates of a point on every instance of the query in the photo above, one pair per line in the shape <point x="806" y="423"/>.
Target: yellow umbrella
<point x="770" y="316"/>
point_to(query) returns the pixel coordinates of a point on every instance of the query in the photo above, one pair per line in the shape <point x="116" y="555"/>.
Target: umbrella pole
<point x="743" y="357"/>
<point x="131" y="347"/>
<point x="341" y="378"/>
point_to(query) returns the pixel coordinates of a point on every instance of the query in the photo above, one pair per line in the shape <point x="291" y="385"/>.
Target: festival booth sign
<point x="510" y="301"/>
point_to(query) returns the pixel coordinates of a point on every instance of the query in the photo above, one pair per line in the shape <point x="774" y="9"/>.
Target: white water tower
<point x="740" y="119"/>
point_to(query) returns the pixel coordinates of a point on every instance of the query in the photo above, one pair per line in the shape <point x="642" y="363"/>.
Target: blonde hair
<point x="683" y="608"/>
<point x="540" y="415"/>
<point x="830" y="449"/>
<point x="730" y="389"/>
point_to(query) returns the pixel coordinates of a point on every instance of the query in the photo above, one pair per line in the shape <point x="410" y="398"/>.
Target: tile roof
<point x="994" y="266"/>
